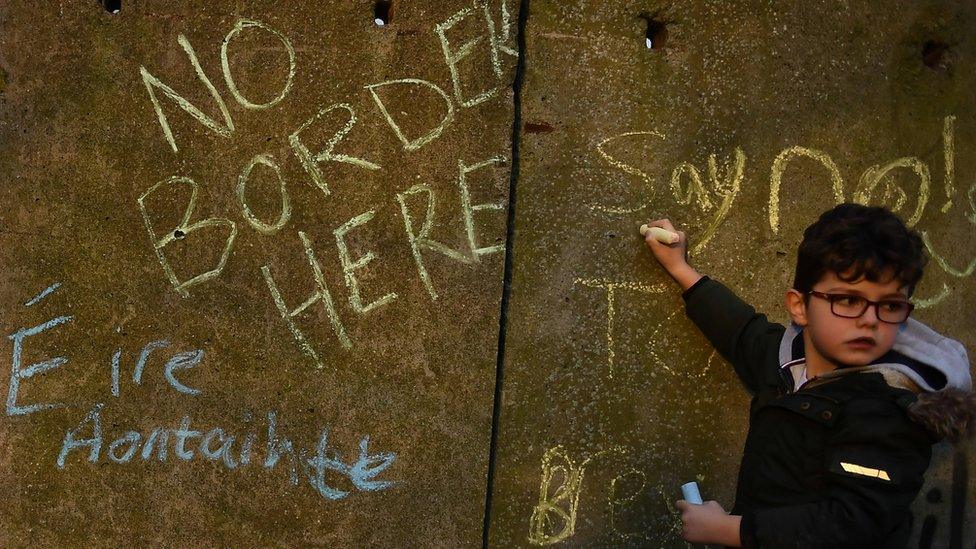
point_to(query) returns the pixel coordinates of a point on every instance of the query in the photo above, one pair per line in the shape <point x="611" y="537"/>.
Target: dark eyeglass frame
<point x="833" y="298"/>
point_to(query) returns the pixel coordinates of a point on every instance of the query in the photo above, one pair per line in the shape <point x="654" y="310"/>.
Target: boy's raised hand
<point x="670" y="256"/>
<point x="673" y="257"/>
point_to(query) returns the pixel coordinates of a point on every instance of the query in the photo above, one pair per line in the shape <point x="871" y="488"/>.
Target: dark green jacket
<point x="833" y="464"/>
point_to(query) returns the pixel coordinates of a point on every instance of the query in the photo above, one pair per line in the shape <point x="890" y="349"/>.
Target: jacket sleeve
<point x="874" y="470"/>
<point x="741" y="335"/>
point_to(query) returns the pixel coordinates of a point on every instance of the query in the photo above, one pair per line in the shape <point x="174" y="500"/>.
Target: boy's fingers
<point x="681" y="504"/>
<point x="651" y="239"/>
<point x="663" y="223"/>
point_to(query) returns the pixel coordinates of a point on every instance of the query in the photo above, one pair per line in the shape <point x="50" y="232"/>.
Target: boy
<point x="846" y="401"/>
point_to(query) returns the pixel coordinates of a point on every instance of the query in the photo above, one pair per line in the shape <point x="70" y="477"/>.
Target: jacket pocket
<point x="788" y="446"/>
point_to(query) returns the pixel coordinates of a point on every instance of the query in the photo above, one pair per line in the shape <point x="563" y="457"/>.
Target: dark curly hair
<point x="868" y="241"/>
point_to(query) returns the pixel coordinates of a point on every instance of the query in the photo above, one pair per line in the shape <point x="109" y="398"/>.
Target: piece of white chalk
<point x="690" y="492"/>
<point x="661" y="235"/>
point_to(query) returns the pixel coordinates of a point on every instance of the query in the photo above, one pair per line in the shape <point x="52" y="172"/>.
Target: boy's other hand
<point x="708" y="523"/>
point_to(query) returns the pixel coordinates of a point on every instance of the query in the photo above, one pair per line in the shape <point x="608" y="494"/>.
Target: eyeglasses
<point x="853" y="306"/>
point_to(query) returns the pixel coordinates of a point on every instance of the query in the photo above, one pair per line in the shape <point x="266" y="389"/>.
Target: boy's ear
<point x="796" y="306"/>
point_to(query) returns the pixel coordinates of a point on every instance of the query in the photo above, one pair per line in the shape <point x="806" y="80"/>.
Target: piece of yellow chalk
<point x="661" y="235"/>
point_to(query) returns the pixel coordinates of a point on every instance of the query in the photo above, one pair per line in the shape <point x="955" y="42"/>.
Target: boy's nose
<point x="870" y="316"/>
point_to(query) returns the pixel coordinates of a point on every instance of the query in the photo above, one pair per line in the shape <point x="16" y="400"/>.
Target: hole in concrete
<point x="178" y="234"/>
<point x="112" y="6"/>
<point x="934" y="496"/>
<point x="934" y="54"/>
<point x="656" y="33"/>
<point x="382" y="12"/>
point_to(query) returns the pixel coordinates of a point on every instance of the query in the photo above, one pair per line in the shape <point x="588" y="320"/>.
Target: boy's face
<point x="833" y="341"/>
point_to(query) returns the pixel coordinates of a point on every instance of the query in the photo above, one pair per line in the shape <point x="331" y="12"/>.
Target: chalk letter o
<point x="260" y="226"/>
<point x="225" y="64"/>
<point x="131" y="438"/>
<point x="873" y="176"/>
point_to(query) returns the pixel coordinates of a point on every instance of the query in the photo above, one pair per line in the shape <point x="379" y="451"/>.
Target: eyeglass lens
<point x="854" y="306"/>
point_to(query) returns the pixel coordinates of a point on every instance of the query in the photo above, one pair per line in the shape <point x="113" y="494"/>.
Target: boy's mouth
<point x="862" y="342"/>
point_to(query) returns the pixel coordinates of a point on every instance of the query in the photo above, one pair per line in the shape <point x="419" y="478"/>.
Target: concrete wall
<point x="386" y="350"/>
<point x="254" y="256"/>
<point x="612" y="398"/>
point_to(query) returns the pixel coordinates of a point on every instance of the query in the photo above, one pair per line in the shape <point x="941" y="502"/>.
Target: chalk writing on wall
<point x="554" y="517"/>
<point x="876" y="185"/>
<point x="652" y="343"/>
<point x="220" y="232"/>
<point x="183" y="443"/>
<point x="611" y="289"/>
<point x="725" y="186"/>
<point x="218" y="445"/>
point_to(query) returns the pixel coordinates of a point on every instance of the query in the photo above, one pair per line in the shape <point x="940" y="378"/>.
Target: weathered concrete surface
<point x="610" y="395"/>
<point x="411" y="390"/>
<point x="612" y="399"/>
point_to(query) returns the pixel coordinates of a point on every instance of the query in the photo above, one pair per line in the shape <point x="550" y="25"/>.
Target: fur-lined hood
<point x="934" y="367"/>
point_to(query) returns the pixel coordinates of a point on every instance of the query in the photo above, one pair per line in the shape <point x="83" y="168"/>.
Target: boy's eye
<point x="848" y="300"/>
<point x="894" y="306"/>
